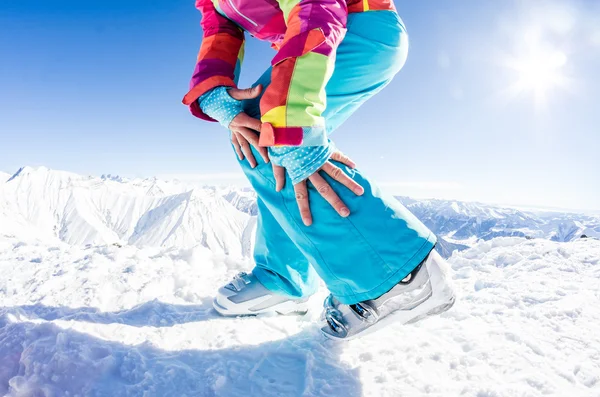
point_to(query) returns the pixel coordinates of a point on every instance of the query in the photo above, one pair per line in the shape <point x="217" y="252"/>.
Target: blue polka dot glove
<point x="301" y="161"/>
<point x="219" y="105"/>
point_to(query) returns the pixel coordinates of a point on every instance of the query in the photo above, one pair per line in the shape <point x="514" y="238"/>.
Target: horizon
<point x="198" y="183"/>
<point x="496" y="104"/>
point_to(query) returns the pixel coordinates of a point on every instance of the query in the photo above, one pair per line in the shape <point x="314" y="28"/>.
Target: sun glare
<point x="539" y="71"/>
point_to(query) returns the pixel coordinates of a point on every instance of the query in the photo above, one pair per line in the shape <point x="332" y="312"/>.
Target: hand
<point x="244" y="129"/>
<point x="322" y="186"/>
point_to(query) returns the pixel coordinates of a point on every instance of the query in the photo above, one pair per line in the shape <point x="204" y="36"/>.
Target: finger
<point x="279" y="173"/>
<point x="328" y="194"/>
<point x="243" y="120"/>
<point x="247" y="150"/>
<point x="340" y="176"/>
<point x="302" y="200"/>
<point x="236" y="146"/>
<point x="248" y="93"/>
<point x="248" y="134"/>
<point x="252" y="137"/>
<point x="264" y="153"/>
<point x="342" y="158"/>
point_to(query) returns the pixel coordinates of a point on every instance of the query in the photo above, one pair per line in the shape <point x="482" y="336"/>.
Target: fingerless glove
<point x="219" y="105"/>
<point x="301" y="161"/>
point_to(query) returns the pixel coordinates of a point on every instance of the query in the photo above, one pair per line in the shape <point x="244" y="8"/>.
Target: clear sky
<point x="498" y="102"/>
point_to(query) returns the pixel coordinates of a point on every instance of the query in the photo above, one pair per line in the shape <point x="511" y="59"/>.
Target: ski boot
<point x="245" y="295"/>
<point x="426" y="291"/>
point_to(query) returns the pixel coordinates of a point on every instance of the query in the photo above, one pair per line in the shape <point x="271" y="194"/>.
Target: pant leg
<point x="280" y="266"/>
<point x="373" y="51"/>
<point x="360" y="257"/>
<point x="363" y="256"/>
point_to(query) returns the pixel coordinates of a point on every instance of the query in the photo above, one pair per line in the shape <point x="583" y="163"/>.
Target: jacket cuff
<point x="191" y="98"/>
<point x="292" y="136"/>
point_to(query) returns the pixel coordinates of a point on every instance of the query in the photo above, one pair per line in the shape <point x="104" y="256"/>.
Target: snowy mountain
<point x="463" y="222"/>
<point x="571" y="229"/>
<point x="82" y="210"/>
<point x="4" y="176"/>
<point x="460" y="224"/>
<point x="242" y="199"/>
<point x="85" y="210"/>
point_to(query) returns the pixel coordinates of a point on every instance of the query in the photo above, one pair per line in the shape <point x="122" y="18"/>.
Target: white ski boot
<point x="426" y="291"/>
<point x="245" y="295"/>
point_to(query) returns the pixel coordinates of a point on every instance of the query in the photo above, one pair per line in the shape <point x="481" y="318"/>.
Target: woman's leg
<point x="363" y="256"/>
<point x="359" y="257"/>
<point x="372" y="53"/>
<point x="280" y="266"/>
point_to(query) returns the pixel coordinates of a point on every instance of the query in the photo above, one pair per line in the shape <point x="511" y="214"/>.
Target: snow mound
<point x="80" y="210"/>
<point x="138" y="321"/>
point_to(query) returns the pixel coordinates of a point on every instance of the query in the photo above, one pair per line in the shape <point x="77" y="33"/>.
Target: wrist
<point x="219" y="105"/>
<point x="301" y="162"/>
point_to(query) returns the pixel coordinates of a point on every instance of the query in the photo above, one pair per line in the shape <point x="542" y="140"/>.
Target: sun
<point x="540" y="72"/>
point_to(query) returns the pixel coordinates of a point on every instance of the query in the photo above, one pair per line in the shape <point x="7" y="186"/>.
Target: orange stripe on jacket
<point x="212" y="82"/>
<point x="220" y="46"/>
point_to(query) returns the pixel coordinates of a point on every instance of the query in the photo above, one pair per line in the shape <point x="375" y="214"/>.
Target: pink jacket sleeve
<point x="220" y="57"/>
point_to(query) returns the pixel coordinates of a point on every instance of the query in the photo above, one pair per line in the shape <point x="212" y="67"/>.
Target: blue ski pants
<point x="364" y="255"/>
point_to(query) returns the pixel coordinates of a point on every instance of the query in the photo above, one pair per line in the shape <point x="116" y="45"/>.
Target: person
<point x="317" y="213"/>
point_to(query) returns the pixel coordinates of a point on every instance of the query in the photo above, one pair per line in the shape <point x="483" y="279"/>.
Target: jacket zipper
<point x="240" y="14"/>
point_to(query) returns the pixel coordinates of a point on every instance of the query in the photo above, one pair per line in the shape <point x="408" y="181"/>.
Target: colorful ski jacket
<point x="305" y="34"/>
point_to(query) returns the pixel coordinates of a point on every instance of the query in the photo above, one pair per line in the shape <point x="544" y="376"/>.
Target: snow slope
<point x="4" y="176"/>
<point x="242" y="199"/>
<point x="82" y="210"/>
<point x="109" y="321"/>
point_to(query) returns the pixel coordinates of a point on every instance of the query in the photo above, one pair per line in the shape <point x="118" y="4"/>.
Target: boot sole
<point x="284" y="309"/>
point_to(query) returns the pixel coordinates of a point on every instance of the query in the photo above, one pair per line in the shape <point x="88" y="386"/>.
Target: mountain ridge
<point x="87" y="210"/>
<point x="80" y="210"/>
<point x="4" y="176"/>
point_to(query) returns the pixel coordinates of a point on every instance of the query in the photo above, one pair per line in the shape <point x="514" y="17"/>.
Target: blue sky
<point x="477" y="113"/>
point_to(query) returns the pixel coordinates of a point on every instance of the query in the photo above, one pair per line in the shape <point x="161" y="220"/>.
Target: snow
<point x="128" y="321"/>
<point x="82" y="210"/>
<point x="242" y="199"/>
<point x="570" y="230"/>
<point x="106" y="287"/>
<point x="459" y="222"/>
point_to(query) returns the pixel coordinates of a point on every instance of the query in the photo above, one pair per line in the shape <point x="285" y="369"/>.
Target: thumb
<point x="248" y="93"/>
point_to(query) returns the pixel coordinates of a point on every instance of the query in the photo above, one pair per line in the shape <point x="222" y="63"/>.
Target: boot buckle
<point x="365" y="312"/>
